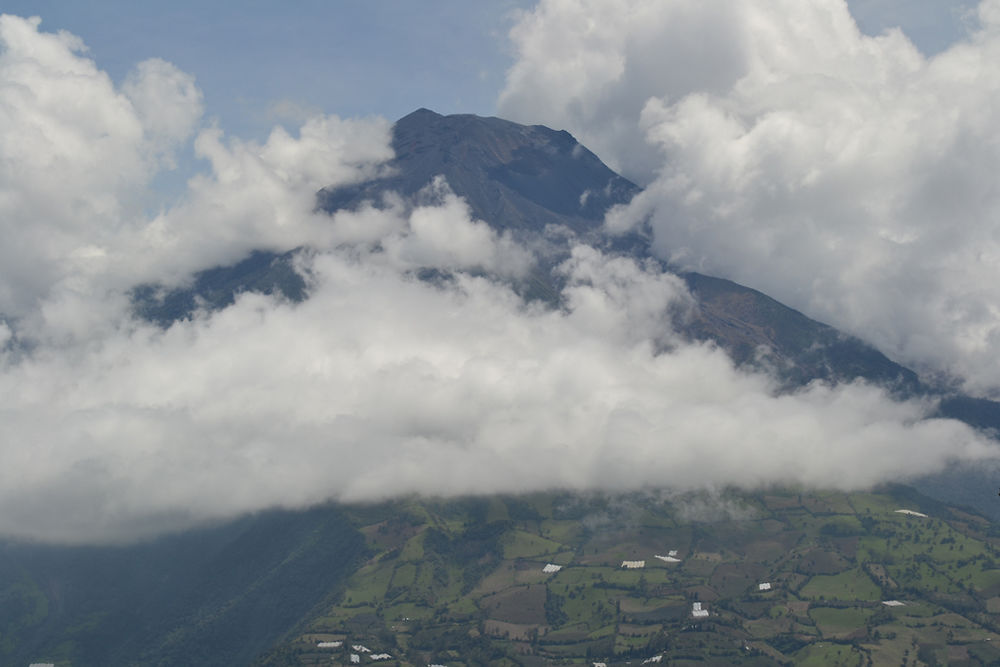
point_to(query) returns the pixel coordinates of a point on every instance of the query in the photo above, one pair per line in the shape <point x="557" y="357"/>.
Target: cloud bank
<point x="846" y="175"/>
<point x="379" y="383"/>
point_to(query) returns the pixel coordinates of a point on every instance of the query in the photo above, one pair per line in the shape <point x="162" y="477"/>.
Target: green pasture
<point x="850" y="585"/>
<point x="404" y="576"/>
<point x="413" y="550"/>
<point x="826" y="654"/>
<point x="369" y="585"/>
<point x="838" y="622"/>
<point x="593" y="607"/>
<point x="408" y="611"/>
<point x="521" y="544"/>
<point x="564" y="532"/>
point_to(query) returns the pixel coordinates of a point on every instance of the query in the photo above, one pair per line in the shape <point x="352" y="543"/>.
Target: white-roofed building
<point x="668" y="559"/>
<point x="551" y="568"/>
<point x="766" y="586"/>
<point x="633" y="564"/>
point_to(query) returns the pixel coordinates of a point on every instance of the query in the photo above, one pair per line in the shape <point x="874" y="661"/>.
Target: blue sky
<point x="259" y="62"/>
<point x="349" y="58"/>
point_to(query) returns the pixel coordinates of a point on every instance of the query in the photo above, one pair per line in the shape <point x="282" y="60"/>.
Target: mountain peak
<point x="521" y="177"/>
<point x="420" y="114"/>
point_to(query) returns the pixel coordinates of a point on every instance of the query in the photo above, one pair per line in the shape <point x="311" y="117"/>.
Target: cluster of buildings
<point x="358" y="651"/>
<point x="671" y="557"/>
<point x="647" y="661"/>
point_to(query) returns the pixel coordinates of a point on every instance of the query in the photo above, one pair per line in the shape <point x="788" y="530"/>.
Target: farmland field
<point x="463" y="583"/>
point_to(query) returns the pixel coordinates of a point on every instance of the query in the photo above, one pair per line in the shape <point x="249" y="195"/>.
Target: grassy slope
<point x="217" y="596"/>
<point x="462" y="583"/>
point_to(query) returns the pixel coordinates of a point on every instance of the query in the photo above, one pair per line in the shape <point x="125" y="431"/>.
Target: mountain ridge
<point x="489" y="160"/>
<point x="524" y="180"/>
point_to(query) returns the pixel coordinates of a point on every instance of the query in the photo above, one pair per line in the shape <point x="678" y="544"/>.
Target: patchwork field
<point x="463" y="583"/>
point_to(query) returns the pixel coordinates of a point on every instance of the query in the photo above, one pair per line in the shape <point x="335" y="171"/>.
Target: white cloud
<point x="70" y="154"/>
<point x="378" y="383"/>
<point x="77" y="154"/>
<point x="443" y="235"/>
<point x="166" y="102"/>
<point x="846" y="175"/>
<point x="256" y="196"/>
<point x="590" y="65"/>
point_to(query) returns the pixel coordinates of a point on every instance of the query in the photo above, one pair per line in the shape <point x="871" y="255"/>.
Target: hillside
<point x="220" y="595"/>
<point x="465" y="582"/>
<point x="472" y="582"/>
